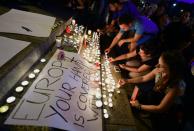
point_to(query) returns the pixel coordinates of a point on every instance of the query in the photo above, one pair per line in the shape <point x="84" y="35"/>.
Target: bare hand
<point x="107" y="50"/>
<point x="122" y="66"/>
<point x="111" y="59"/>
<point x="122" y="82"/>
<point x="121" y="42"/>
<point x="135" y="103"/>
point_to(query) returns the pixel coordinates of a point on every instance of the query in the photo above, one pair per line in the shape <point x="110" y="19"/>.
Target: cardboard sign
<point x="61" y="97"/>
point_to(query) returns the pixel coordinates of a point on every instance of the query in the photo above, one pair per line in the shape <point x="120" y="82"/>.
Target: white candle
<point x="110" y="94"/>
<point x="43" y="60"/>
<point x="98" y="95"/>
<point x="110" y="100"/>
<point x="31" y="75"/>
<point x="105" y="111"/>
<point x="24" y="83"/>
<point x="58" y="42"/>
<point x="4" y="109"/>
<point x="110" y="104"/>
<point x="106" y="115"/>
<point x="98" y="103"/>
<point x="89" y="32"/>
<point x="105" y="103"/>
<point x="73" y="22"/>
<point x="36" y="71"/>
<point x="19" y="89"/>
<point x="11" y="99"/>
<point x="104" y="96"/>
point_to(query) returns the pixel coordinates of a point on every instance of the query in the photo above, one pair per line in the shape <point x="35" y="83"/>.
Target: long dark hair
<point x="176" y="65"/>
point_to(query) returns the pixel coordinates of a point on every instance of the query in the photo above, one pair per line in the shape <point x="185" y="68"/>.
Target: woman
<point x="160" y="101"/>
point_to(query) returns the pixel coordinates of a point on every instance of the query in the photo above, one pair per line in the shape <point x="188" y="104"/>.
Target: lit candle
<point x="89" y="32"/>
<point x="110" y="94"/>
<point x="43" y="60"/>
<point x="10" y="99"/>
<point x="36" y="71"/>
<point x="110" y="100"/>
<point x="106" y="115"/>
<point x="98" y="95"/>
<point x="105" y="111"/>
<point x="110" y="104"/>
<point x="58" y="42"/>
<point x="31" y="75"/>
<point x="98" y="103"/>
<point x="105" y="103"/>
<point x="4" y="109"/>
<point x="24" y="83"/>
<point x="19" y="89"/>
<point x="118" y="91"/>
<point x="73" y="22"/>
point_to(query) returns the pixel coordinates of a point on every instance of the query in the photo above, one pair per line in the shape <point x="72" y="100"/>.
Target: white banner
<point x="60" y="97"/>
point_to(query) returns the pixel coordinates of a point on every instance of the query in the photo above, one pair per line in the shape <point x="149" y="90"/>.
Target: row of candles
<point x="92" y="48"/>
<point x="105" y="94"/>
<point x="19" y="89"/>
<point x="109" y="87"/>
<point x="72" y="36"/>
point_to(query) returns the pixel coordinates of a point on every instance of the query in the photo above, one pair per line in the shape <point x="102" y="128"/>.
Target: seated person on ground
<point x="163" y="98"/>
<point x="146" y="59"/>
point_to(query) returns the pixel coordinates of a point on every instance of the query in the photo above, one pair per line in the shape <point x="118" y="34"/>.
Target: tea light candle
<point x="11" y="99"/>
<point x="118" y="91"/>
<point x="36" y="71"/>
<point x="106" y="115"/>
<point x="4" y="109"/>
<point x="104" y="96"/>
<point x="89" y="32"/>
<point x="105" y="111"/>
<point x="31" y="75"/>
<point x="43" y="60"/>
<point x="58" y="42"/>
<point x="110" y="100"/>
<point x="110" y="94"/>
<point x="24" y="83"/>
<point x="73" y="22"/>
<point x="98" y="103"/>
<point x="105" y="103"/>
<point x="110" y="104"/>
<point x="19" y="89"/>
<point x="98" y="95"/>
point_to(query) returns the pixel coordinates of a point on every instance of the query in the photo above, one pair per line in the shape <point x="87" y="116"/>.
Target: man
<point x="118" y="9"/>
<point x="143" y="27"/>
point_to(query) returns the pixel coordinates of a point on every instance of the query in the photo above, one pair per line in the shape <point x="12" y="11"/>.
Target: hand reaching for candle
<point x="135" y="104"/>
<point x="122" y="82"/>
<point x="107" y="50"/>
<point x="111" y="59"/>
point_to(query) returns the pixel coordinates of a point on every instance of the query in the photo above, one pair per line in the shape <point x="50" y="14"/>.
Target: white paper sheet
<point x="60" y="97"/>
<point x="22" y="22"/>
<point x="9" y="48"/>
